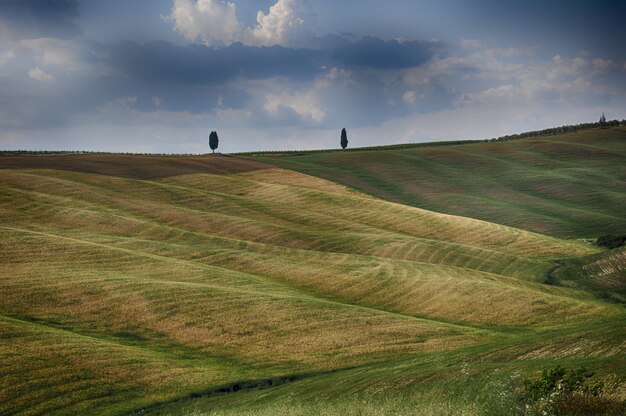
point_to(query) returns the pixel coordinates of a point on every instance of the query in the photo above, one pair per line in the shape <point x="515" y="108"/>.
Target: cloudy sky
<point x="159" y="75"/>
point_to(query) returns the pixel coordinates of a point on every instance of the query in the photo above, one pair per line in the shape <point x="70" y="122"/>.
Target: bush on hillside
<point x="559" y="392"/>
<point x="611" y="241"/>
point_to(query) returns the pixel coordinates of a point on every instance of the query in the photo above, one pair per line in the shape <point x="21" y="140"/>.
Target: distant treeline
<point x="529" y="134"/>
<point x="560" y="130"/>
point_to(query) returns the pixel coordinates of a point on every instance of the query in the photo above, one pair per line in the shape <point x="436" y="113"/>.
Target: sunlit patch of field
<point x="169" y="277"/>
<point x="211" y="310"/>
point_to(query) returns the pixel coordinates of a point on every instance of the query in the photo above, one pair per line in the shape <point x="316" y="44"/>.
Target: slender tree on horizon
<point x="603" y="121"/>
<point x="213" y="141"/>
<point x="344" y="138"/>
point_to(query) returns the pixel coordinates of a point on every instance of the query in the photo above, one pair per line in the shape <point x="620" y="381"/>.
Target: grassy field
<point x="569" y="186"/>
<point x="222" y="285"/>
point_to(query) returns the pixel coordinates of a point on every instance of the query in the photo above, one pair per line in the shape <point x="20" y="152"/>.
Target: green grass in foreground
<point x="179" y="285"/>
<point x="569" y="185"/>
<point x="477" y="380"/>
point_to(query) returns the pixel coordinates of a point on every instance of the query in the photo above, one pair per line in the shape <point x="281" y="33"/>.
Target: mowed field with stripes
<point x="184" y="284"/>
<point x="569" y="186"/>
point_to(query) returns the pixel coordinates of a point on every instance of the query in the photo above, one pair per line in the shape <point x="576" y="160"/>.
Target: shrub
<point x="611" y="241"/>
<point x="559" y="392"/>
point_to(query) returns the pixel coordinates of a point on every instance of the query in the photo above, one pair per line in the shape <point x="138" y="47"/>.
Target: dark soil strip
<point x="549" y="277"/>
<point x="238" y="386"/>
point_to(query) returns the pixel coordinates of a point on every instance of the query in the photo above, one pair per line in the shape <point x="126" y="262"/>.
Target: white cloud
<point x="503" y="79"/>
<point x="157" y="101"/>
<point x="215" y="22"/>
<point x="337" y="73"/>
<point x="434" y="70"/>
<point x="312" y="103"/>
<point x="560" y="80"/>
<point x="560" y="66"/>
<point x="484" y="63"/>
<point x="286" y="23"/>
<point x="500" y="93"/>
<point x="602" y="64"/>
<point x="38" y="74"/>
<point x="6" y="55"/>
<point x="209" y="21"/>
<point x="497" y="94"/>
<point x="51" y="51"/>
<point x="305" y="104"/>
<point x="72" y="55"/>
<point x="410" y="97"/>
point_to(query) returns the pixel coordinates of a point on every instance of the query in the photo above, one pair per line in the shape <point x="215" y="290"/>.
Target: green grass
<point x="601" y="273"/>
<point x="477" y="380"/>
<point x="569" y="186"/>
<point x="217" y="285"/>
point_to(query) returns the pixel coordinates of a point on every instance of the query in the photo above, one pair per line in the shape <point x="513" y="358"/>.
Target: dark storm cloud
<point x="371" y="52"/>
<point x="194" y="78"/>
<point x="596" y="26"/>
<point x="164" y="63"/>
<point x="197" y="79"/>
<point x="40" y="18"/>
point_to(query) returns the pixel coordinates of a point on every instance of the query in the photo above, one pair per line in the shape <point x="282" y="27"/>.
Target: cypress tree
<point x="344" y="139"/>
<point x="213" y="141"/>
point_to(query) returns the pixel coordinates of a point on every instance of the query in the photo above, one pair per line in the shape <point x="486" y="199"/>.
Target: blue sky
<point x="159" y="75"/>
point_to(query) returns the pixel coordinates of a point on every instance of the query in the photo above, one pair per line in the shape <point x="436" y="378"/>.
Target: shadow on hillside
<point x="134" y="166"/>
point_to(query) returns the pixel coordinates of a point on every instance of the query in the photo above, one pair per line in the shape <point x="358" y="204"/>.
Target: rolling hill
<point x="195" y="285"/>
<point x="569" y="186"/>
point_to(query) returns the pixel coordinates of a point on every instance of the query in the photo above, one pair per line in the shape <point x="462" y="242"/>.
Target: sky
<point x="160" y="75"/>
